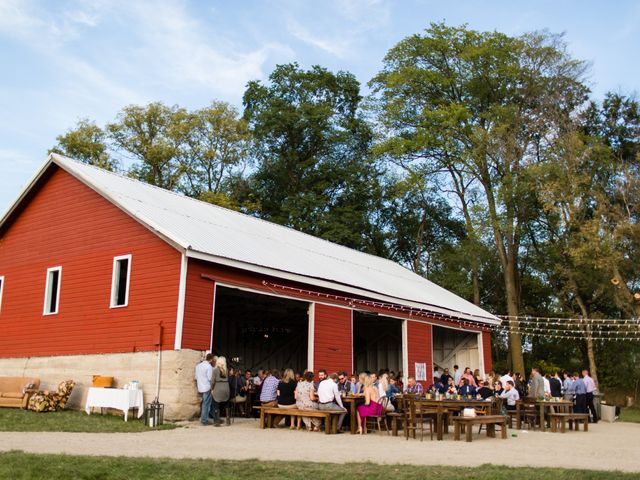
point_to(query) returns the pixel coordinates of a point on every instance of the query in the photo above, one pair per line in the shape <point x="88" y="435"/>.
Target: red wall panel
<point x="419" y="348"/>
<point x="333" y="348"/>
<point x="486" y="350"/>
<point x="198" y="307"/>
<point x="66" y="223"/>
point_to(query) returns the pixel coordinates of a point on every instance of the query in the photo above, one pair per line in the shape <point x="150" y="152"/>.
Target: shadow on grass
<point x="16" y="420"/>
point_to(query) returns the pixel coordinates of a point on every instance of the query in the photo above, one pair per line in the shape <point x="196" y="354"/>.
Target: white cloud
<point x="335" y="45"/>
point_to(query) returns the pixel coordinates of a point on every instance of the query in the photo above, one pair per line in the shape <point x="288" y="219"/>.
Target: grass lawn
<point x="19" y="465"/>
<point x="630" y="414"/>
<point x="16" y="420"/>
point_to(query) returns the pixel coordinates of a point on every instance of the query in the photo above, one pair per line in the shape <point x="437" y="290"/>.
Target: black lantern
<point x="154" y="414"/>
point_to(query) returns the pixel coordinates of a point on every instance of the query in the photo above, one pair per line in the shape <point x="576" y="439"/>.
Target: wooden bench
<point x="574" y="419"/>
<point x="490" y="421"/>
<point x="330" y="417"/>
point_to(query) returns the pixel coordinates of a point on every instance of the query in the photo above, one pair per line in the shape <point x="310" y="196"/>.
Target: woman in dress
<point x="306" y="399"/>
<point x="372" y="405"/>
<point x="219" y="389"/>
<point x="477" y="376"/>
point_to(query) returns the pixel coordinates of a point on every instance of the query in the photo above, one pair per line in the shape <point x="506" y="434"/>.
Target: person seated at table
<point x="497" y="387"/>
<point x="383" y="390"/>
<point x="451" y="387"/>
<point x="269" y="391"/>
<point x="466" y="389"/>
<point x="286" y="396"/>
<point x="437" y="387"/>
<point x="344" y="385"/>
<point x="413" y="387"/>
<point x="306" y="399"/>
<point x="511" y="395"/>
<point x="329" y="397"/>
<point x="483" y="391"/>
<point x="469" y="376"/>
<point x="358" y="387"/>
<point x="400" y="381"/>
<point x="371" y="406"/>
<point x="354" y="381"/>
<point x="322" y="375"/>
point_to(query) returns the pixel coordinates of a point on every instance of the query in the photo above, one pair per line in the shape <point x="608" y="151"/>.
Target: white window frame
<point x="47" y="292"/>
<point x="1" y="290"/>
<point x="114" y="281"/>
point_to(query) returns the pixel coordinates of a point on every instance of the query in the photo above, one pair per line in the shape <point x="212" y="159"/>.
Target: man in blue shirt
<point x="580" y="391"/>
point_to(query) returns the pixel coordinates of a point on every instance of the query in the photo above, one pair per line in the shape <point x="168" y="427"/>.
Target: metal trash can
<point x="598" y="397"/>
<point x="154" y="414"/>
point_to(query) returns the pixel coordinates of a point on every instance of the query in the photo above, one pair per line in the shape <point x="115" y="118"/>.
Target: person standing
<point x="219" y="389"/>
<point x="536" y="389"/>
<point x="457" y="375"/>
<point x="567" y="387"/>
<point x="580" y="391"/>
<point x="204" y="373"/>
<point x="555" y="384"/>
<point x="329" y="397"/>
<point x="590" y="385"/>
<point x="511" y="395"/>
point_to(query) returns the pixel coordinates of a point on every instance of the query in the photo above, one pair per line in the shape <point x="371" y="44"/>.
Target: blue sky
<point x="65" y="60"/>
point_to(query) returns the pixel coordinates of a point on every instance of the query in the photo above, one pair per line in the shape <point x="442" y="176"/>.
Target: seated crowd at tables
<point x="308" y="391"/>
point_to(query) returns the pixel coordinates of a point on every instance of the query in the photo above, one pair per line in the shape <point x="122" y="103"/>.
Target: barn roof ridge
<point x="216" y="231"/>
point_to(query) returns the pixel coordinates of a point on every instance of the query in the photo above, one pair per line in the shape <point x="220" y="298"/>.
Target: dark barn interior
<point x="377" y="342"/>
<point x="260" y="331"/>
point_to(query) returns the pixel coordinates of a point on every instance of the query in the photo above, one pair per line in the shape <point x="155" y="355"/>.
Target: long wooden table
<point x="490" y="421"/>
<point x="445" y="406"/>
<point x="543" y="405"/>
<point x="351" y="403"/>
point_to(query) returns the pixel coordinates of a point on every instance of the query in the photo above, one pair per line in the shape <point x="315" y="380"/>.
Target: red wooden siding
<point x="66" y="223"/>
<point x="419" y="348"/>
<point x="486" y="350"/>
<point x="333" y="348"/>
<point x="198" y="307"/>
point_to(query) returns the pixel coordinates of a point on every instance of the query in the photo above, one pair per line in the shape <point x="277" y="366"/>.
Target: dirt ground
<point x="605" y="447"/>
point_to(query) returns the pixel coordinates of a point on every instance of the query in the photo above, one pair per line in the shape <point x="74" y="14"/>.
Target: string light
<point x="598" y="329"/>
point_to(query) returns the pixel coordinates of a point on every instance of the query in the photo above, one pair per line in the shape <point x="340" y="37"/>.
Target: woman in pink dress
<point x="371" y="405"/>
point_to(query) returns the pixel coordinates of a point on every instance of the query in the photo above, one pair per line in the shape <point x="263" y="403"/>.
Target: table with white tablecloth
<point x="117" y="398"/>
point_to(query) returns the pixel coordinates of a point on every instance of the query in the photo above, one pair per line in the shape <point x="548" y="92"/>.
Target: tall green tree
<point x="313" y="170"/>
<point x="213" y="148"/>
<point x="487" y="104"/>
<point x="150" y="135"/>
<point x="87" y="143"/>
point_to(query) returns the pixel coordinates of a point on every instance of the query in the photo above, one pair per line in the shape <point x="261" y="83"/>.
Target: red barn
<point x="100" y="274"/>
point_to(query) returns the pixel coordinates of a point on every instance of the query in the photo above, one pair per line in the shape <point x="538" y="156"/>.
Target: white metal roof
<point x="229" y="237"/>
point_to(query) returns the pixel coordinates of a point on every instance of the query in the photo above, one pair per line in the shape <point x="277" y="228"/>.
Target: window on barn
<point x="120" y="281"/>
<point x="1" y="289"/>
<point x="52" y="291"/>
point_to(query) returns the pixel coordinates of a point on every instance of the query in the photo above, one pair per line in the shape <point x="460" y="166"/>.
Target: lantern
<point x="154" y="414"/>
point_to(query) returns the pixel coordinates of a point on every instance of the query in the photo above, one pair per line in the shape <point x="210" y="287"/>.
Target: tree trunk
<point x="513" y="310"/>
<point x="475" y="282"/>
<point x="587" y="330"/>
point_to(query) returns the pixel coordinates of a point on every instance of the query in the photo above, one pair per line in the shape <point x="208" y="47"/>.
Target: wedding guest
<point x="483" y="391"/>
<point x="306" y="399"/>
<point x="204" y="373"/>
<point x="219" y="389"/>
<point x="372" y="406"/>
<point x="413" y="387"/>
<point x="510" y="394"/>
<point x="329" y="397"/>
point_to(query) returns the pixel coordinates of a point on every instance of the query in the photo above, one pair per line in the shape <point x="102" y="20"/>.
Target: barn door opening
<point x="455" y="347"/>
<point x="260" y="331"/>
<point x="377" y="342"/>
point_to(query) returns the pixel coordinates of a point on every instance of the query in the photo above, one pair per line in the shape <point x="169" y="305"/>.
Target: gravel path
<point x="605" y="447"/>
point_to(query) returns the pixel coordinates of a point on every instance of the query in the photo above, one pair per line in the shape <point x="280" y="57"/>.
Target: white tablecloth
<point x="117" y="398"/>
